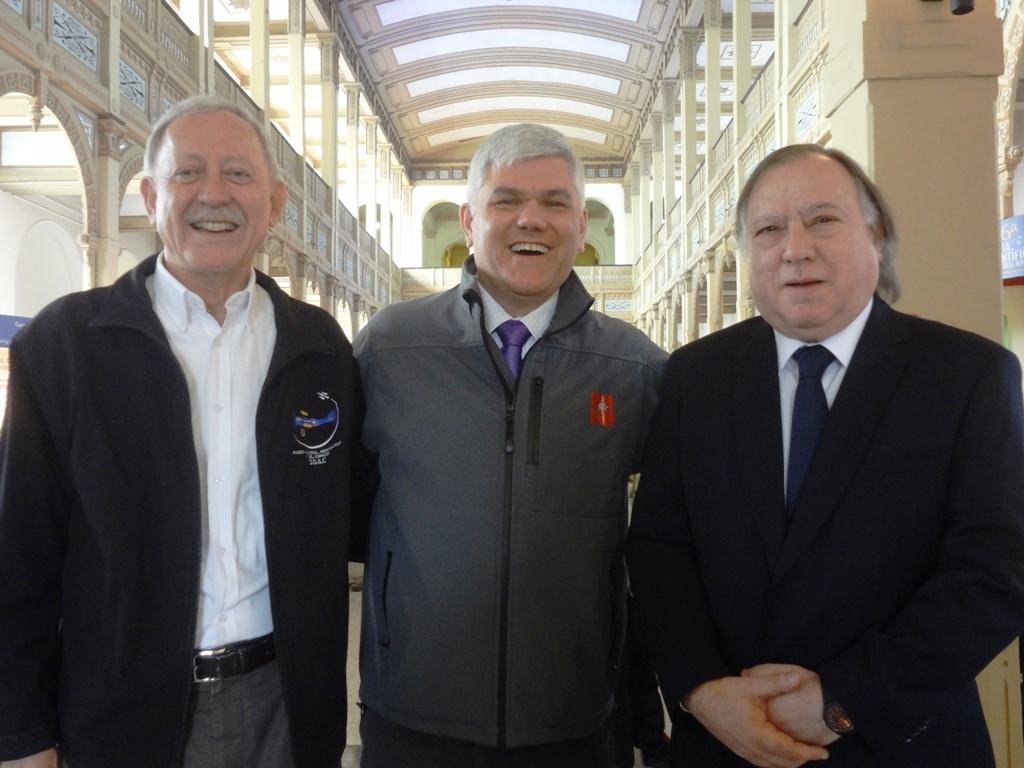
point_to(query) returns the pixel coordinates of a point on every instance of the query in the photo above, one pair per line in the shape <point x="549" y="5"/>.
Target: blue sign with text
<point x="1011" y="232"/>
<point x="10" y="325"/>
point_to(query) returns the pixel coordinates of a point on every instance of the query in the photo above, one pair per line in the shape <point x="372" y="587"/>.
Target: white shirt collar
<point x="841" y="345"/>
<point x="180" y="304"/>
<point x="537" y="320"/>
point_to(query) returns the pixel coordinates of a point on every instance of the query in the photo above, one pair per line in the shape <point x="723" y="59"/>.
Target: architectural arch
<point x="439" y="231"/>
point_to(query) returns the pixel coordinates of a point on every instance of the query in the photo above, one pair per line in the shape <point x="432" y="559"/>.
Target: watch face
<point x="837" y="720"/>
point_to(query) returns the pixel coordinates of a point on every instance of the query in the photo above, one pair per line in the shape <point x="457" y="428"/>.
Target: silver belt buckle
<point x="209" y="654"/>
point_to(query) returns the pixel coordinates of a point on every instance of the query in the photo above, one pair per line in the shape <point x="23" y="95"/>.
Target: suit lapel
<point x="875" y="370"/>
<point x="757" y="431"/>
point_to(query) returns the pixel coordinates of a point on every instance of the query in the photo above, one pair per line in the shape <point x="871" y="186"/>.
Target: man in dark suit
<point x="828" y="546"/>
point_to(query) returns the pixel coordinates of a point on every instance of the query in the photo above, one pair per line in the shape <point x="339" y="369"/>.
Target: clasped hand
<point x="770" y="716"/>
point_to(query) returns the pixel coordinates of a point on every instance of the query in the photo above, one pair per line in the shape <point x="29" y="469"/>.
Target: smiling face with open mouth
<point x="814" y="258"/>
<point x="527" y="226"/>
<point x="212" y="199"/>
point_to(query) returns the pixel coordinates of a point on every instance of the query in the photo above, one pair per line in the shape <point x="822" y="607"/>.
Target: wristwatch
<point x="834" y="715"/>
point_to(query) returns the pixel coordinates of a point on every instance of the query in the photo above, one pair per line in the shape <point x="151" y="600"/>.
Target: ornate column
<point x="669" y="100"/>
<point x="329" y="133"/>
<point x="296" y="264"/>
<point x="657" y="182"/>
<point x="635" y="225"/>
<point x="691" y="327"/>
<point x="712" y="266"/>
<point x="384" y="238"/>
<point x="673" y="312"/>
<point x="645" y="193"/>
<point x="103" y="250"/>
<point x="688" y="43"/>
<point x="350" y="184"/>
<point x="742" y="21"/>
<point x="370" y="198"/>
<point x="712" y="74"/>
<point x="259" y="46"/>
<point x="297" y="74"/>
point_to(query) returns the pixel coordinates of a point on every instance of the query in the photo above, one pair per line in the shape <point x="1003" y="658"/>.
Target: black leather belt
<point x="234" y="659"/>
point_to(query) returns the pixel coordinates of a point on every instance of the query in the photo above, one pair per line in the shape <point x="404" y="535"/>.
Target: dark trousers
<point x="389" y="745"/>
<point x="239" y="722"/>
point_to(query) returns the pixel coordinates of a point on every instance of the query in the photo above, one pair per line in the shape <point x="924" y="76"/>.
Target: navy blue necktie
<point x="513" y="335"/>
<point x="809" y="411"/>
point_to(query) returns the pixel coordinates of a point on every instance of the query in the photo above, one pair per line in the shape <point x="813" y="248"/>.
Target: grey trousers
<point x="239" y="722"/>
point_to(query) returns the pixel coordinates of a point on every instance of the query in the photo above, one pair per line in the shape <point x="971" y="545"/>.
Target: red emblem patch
<point x="602" y="409"/>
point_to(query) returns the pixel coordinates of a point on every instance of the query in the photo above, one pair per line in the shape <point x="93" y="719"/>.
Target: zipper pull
<point x="510" y="411"/>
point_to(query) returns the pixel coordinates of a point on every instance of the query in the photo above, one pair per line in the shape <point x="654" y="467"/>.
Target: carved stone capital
<point x="112" y="140"/>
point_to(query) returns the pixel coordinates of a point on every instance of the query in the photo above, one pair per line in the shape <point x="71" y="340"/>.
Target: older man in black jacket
<point x="178" y="472"/>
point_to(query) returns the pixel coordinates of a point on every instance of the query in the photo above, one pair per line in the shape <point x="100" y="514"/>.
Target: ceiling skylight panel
<point x="503" y="37"/>
<point x="516" y="102"/>
<point x="464" y="77"/>
<point x="402" y="10"/>
<point x="470" y="132"/>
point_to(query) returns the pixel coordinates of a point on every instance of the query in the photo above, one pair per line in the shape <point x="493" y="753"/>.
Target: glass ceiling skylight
<point x="482" y="131"/>
<point x="402" y="10"/>
<point x="516" y="102"/>
<point x="504" y="74"/>
<point x="504" y="37"/>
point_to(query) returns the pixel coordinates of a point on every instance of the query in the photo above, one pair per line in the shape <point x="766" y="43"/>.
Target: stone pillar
<point x="296" y="263"/>
<point x="370" y="198"/>
<point x="689" y="41"/>
<point x="645" y="194"/>
<point x="384" y="239"/>
<point x="784" y="56"/>
<point x="691" y="327"/>
<point x="635" y="224"/>
<point x="297" y="74"/>
<point x="112" y="62"/>
<point x="350" y="184"/>
<point x="669" y="101"/>
<point x="259" y="47"/>
<point x="206" y="56"/>
<point x="354" y="309"/>
<point x="712" y="74"/>
<point x="742" y="21"/>
<point x="673" y="312"/>
<point x="103" y="250"/>
<point x="712" y="266"/>
<point x="657" y="182"/>
<point x="329" y="133"/>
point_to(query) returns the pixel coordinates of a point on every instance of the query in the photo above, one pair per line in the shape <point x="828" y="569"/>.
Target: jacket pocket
<point x="384" y="638"/>
<point x="533" y="430"/>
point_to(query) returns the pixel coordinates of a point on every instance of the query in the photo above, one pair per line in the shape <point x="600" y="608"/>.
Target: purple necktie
<point x="513" y="335"/>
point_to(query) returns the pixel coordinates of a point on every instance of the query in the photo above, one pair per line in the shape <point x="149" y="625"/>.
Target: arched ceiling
<point x="450" y="72"/>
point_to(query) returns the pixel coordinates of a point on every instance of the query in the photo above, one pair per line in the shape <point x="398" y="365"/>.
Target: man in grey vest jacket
<point x="506" y="417"/>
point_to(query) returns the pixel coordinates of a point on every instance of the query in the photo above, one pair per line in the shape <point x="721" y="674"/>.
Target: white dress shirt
<point x="225" y="367"/>
<point x="537" y="320"/>
<point x="842" y="346"/>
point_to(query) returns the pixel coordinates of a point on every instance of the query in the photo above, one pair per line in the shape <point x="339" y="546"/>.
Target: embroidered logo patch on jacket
<point x="602" y="409"/>
<point x="315" y="426"/>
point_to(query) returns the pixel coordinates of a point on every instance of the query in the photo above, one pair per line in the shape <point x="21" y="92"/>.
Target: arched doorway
<point x="444" y="244"/>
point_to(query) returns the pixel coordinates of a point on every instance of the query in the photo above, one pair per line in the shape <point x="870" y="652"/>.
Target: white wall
<point x="40" y="251"/>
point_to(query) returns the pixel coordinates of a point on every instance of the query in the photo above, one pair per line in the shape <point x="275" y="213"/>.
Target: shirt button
<point x="217" y="343"/>
<point x="218" y="408"/>
<point x="222" y="618"/>
<point x="222" y="551"/>
<point x="219" y="481"/>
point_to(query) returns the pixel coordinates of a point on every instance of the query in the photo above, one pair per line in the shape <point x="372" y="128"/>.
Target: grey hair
<point x="515" y="143"/>
<point x="196" y="105"/>
<point x="876" y="210"/>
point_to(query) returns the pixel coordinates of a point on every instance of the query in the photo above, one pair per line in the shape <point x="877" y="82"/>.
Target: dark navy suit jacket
<point x="902" y="572"/>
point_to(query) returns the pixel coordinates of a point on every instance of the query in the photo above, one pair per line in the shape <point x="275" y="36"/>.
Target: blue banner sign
<point x="10" y="325"/>
<point x="1011" y="231"/>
